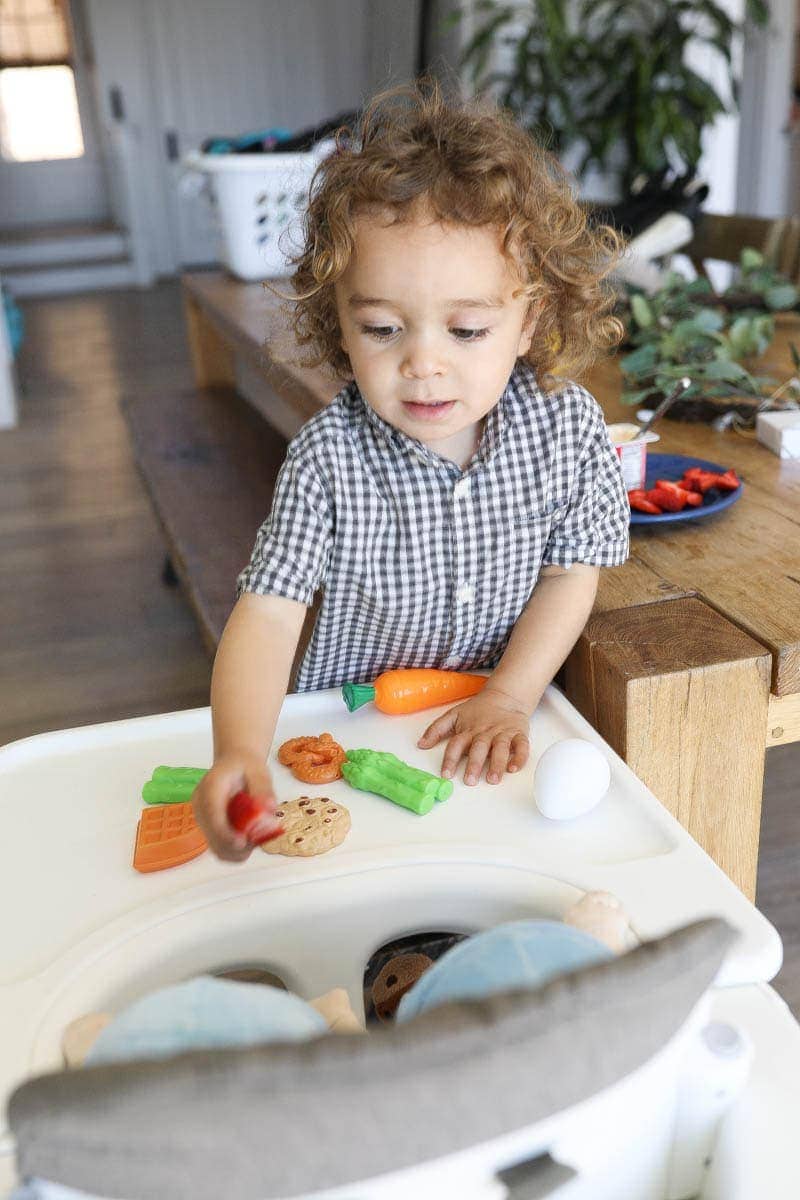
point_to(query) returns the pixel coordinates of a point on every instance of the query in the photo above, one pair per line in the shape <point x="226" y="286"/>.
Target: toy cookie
<point x="311" y="825"/>
<point x="395" y="978"/>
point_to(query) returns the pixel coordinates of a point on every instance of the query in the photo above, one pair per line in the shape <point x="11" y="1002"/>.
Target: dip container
<point x="632" y="453"/>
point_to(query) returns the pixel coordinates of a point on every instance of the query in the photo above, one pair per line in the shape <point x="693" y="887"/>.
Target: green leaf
<point x="731" y="372"/>
<point x="749" y="336"/>
<point x="709" y="320"/>
<point x="750" y="259"/>
<point x="637" y="397"/>
<point x="641" y="360"/>
<point x="642" y="312"/>
<point x="782" y="295"/>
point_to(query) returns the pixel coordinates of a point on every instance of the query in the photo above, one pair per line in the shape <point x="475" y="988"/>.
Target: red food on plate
<point x="638" y="500"/>
<point x="729" y="482"/>
<point x="670" y="499"/>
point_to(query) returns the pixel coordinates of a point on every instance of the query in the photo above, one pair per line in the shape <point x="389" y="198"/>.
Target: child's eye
<point x="380" y="332"/>
<point x="469" y="335"/>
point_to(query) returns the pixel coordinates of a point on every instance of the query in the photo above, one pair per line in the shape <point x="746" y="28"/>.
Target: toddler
<point x="455" y="502"/>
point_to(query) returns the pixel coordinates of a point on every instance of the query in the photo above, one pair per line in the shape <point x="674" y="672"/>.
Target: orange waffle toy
<point x="166" y="836"/>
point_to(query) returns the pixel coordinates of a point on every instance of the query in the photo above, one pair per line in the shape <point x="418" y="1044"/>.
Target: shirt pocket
<point x="550" y="511"/>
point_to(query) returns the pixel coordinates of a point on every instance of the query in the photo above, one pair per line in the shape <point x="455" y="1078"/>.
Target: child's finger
<point x="520" y="750"/>
<point x="258" y="783"/>
<point x="454" y="752"/>
<point x="438" y="730"/>
<point x="209" y="803"/>
<point x="476" y="758"/>
<point x="498" y="758"/>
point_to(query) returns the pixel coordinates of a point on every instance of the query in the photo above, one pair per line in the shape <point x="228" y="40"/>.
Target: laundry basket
<point x="259" y="200"/>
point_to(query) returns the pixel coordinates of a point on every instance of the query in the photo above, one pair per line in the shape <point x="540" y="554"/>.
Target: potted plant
<point x="607" y="79"/>
<point x="717" y="340"/>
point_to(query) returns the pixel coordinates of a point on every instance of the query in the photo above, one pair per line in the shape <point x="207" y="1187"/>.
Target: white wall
<point x="202" y="68"/>
<point x="764" y="177"/>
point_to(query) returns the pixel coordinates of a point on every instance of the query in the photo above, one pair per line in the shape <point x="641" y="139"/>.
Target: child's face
<point x="431" y="327"/>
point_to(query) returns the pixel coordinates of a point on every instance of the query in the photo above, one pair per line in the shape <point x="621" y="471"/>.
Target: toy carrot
<point x="410" y="689"/>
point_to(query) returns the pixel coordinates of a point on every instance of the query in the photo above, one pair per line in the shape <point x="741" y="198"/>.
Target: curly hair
<point x="468" y="163"/>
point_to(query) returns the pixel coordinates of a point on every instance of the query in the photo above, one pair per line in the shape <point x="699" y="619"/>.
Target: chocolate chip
<point x="311" y="812"/>
<point x="280" y="814"/>
<point x="327" y="821"/>
<point x="298" y="839"/>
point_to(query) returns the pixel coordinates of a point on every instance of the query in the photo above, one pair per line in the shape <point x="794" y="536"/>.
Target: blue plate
<point x="672" y="466"/>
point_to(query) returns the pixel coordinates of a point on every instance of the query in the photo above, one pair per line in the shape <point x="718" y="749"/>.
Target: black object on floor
<point x="396" y="966"/>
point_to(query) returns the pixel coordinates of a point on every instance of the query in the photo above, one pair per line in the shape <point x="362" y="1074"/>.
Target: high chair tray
<point x="83" y="929"/>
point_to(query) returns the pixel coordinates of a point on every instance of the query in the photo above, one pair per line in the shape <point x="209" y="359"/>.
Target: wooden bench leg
<point x="681" y="694"/>
<point x="212" y="356"/>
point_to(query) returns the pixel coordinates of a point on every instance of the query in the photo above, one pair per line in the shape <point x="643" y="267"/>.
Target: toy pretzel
<point x="313" y="759"/>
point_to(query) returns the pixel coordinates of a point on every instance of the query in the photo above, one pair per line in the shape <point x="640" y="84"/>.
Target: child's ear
<point x="528" y="327"/>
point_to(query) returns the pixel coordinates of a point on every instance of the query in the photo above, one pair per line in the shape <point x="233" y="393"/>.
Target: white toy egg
<point x="570" y="778"/>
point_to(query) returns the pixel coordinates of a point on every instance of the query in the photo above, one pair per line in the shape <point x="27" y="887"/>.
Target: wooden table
<point x="690" y="663"/>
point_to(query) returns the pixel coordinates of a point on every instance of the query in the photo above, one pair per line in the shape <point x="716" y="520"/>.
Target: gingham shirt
<point x="421" y="563"/>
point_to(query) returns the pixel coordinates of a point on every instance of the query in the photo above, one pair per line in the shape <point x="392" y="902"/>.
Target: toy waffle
<point x="167" y="836"/>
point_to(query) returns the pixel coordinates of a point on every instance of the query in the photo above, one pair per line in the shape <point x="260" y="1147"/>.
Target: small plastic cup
<point x="631" y="451"/>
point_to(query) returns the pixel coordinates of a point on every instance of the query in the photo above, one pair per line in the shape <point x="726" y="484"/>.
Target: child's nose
<point x="422" y="359"/>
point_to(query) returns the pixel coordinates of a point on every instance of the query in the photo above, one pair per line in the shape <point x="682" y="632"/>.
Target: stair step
<point x="64" y="244"/>
<point x="64" y="278"/>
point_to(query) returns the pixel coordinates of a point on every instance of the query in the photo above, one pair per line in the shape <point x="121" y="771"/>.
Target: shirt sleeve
<point x="592" y="527"/>
<point x="293" y="546"/>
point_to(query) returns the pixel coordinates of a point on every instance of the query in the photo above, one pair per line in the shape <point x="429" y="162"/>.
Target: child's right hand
<point x="230" y="774"/>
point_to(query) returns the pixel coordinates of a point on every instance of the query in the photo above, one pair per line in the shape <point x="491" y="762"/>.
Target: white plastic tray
<point x="83" y="930"/>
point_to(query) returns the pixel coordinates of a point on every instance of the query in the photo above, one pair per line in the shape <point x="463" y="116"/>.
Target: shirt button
<point x="465" y="593"/>
<point x="461" y="489"/>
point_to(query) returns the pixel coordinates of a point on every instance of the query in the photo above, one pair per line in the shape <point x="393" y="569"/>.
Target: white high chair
<point x="88" y="933"/>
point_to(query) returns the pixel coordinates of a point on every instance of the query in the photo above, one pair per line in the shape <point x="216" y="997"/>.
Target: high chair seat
<point x="289" y="1120"/>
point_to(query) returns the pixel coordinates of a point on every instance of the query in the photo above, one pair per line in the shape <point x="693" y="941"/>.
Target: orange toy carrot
<point x="410" y="689"/>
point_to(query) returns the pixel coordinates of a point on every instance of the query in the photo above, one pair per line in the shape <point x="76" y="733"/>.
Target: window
<point x="39" y="118"/>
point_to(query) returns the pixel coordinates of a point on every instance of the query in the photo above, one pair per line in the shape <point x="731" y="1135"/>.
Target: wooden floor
<point x="89" y="630"/>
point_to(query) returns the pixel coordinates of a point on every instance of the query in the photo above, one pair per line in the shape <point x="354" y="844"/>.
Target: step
<point x="71" y="277"/>
<point x="49" y="245"/>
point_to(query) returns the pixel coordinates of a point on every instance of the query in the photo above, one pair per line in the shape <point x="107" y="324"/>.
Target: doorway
<point x="52" y="170"/>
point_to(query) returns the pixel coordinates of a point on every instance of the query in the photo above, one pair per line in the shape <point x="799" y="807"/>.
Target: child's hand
<point x="490" y="725"/>
<point x="230" y="774"/>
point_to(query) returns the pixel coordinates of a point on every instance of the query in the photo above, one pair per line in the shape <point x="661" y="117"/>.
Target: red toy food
<point x="250" y="816"/>
<point x="313" y="759"/>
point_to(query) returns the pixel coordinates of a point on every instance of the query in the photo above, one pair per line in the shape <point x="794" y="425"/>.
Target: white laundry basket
<point x="259" y="200"/>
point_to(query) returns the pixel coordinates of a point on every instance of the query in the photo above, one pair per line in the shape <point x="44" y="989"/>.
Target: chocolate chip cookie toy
<point x="311" y="825"/>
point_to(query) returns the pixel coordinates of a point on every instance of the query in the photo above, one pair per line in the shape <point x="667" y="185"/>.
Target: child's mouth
<point x="431" y="410"/>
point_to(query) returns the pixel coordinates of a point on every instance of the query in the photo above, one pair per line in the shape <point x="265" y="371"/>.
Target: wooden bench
<point x="210" y="463"/>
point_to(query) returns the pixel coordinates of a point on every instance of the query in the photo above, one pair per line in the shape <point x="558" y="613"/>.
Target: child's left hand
<point x="490" y="725"/>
